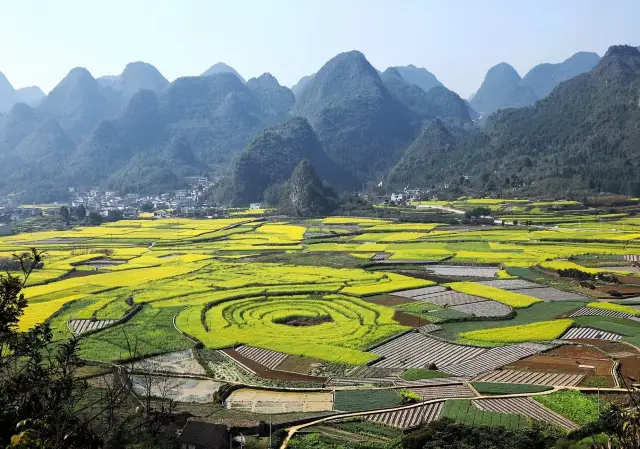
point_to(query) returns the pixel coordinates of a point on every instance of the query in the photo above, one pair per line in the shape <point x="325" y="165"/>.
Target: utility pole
<point x="270" y="424"/>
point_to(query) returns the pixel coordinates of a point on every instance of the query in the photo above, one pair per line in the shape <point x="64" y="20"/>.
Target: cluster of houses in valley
<point x="107" y="202"/>
<point x="399" y="198"/>
<point x="190" y="201"/>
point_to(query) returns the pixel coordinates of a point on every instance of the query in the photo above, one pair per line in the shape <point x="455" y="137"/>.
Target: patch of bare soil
<point x="574" y="359"/>
<point x="406" y="319"/>
<point x="629" y="280"/>
<point x="303" y="321"/>
<point x="628" y="357"/>
<point x="622" y="290"/>
<point x="80" y="274"/>
<point x="300" y="365"/>
<point x="267" y="373"/>
<point x="390" y="300"/>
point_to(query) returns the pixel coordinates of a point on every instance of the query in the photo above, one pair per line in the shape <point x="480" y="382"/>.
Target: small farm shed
<point x="212" y="433"/>
<point x="198" y="434"/>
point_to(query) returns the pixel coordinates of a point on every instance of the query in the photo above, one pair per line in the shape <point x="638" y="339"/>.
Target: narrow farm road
<point x="444" y="208"/>
<point x="292" y="430"/>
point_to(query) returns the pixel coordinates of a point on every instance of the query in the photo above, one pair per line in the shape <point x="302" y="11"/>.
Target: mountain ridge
<point x="581" y="137"/>
<point x="139" y="133"/>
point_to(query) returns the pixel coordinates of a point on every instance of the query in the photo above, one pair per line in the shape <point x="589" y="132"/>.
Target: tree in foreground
<point x="44" y="405"/>
<point x="39" y="394"/>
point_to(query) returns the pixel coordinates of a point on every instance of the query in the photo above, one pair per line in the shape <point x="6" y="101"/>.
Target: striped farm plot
<point x="484" y="309"/>
<point x="443" y="392"/>
<point x="527" y="407"/>
<point x="381" y="256"/>
<point x="550" y="294"/>
<point x="364" y="371"/>
<point x="420" y="291"/>
<point x="417" y="350"/>
<point x="79" y="327"/>
<point x="493" y="358"/>
<point x="448" y="298"/>
<point x="428" y="328"/>
<point x="462" y="270"/>
<point x="530" y="378"/>
<point x="590" y="333"/>
<point x="510" y="284"/>
<point x="465" y="303"/>
<point x="593" y="311"/>
<point x="409" y="417"/>
<point x="265" y="357"/>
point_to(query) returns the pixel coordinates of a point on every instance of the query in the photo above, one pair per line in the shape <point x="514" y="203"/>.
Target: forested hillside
<point x="136" y="132"/>
<point x="584" y="136"/>
<point x="261" y="170"/>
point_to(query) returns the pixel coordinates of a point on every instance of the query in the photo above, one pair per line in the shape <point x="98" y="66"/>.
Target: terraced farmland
<point x="592" y="311"/>
<point x="530" y="378"/>
<point x="577" y="333"/>
<point x="416" y="350"/>
<point x="408" y="418"/>
<point x="265" y="357"/>
<point x="494" y="358"/>
<point x="305" y="304"/>
<point x="428" y="393"/>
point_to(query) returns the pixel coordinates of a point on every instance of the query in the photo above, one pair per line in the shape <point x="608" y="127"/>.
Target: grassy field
<point x="578" y="407"/>
<point x="234" y="281"/>
<point x="618" y="325"/>
<point x="356" y="400"/>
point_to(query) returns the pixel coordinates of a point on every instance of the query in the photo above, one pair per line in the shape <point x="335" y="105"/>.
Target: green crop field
<point x="578" y="407"/>
<point x="357" y="400"/>
<point x="227" y="282"/>
<point x="463" y="411"/>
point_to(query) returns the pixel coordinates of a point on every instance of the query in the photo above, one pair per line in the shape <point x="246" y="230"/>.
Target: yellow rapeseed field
<point x="540" y="331"/>
<point x="513" y="299"/>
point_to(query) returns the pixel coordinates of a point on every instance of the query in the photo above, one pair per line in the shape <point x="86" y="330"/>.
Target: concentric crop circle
<point x="257" y="321"/>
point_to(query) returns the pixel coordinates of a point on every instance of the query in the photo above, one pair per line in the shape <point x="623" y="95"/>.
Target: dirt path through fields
<point x="292" y="430"/>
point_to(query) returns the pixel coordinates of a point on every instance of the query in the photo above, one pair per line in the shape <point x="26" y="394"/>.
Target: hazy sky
<point x="457" y="40"/>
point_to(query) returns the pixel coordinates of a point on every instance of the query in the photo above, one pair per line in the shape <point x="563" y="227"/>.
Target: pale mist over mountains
<point x="138" y="132"/>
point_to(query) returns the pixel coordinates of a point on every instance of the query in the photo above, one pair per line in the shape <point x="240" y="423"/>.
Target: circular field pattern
<point x="258" y="321"/>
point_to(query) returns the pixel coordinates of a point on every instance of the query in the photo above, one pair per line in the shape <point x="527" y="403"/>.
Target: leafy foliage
<point x="305" y="195"/>
<point x="578" y="407"/>
<point x="269" y="160"/>
<point x="581" y="137"/>
<point x="449" y="434"/>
